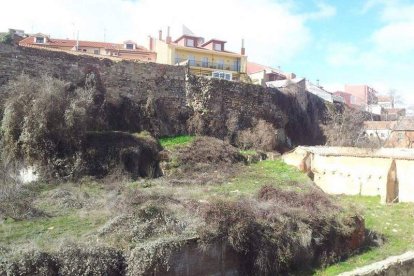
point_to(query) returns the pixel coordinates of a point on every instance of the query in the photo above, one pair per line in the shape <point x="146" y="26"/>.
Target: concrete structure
<point x="386" y="101"/>
<point x="204" y="58"/>
<point x="375" y="109"/>
<point x="355" y="171"/>
<point x="363" y="94"/>
<point x="402" y="265"/>
<point x="128" y="50"/>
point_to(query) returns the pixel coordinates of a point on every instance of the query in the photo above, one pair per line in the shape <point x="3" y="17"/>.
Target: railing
<point x="209" y="64"/>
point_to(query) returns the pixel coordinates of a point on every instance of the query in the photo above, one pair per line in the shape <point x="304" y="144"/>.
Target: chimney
<point x="151" y="43"/>
<point x="168" y="38"/>
<point x="243" y="50"/>
<point x="160" y="35"/>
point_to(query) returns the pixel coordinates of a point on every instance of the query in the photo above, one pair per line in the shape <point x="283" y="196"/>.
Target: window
<point x="217" y="47"/>
<point x="204" y="62"/>
<point x="96" y="52"/>
<point x="236" y="64"/>
<point x="222" y="75"/>
<point x="129" y="46"/>
<point x="189" y="42"/>
<point x="177" y="59"/>
<point x="84" y="50"/>
<point x="352" y="99"/>
<point x="191" y="60"/>
<point x="40" y="40"/>
<point x="220" y="64"/>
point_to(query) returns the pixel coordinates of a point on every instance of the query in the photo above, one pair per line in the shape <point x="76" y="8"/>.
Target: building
<point x="128" y="50"/>
<point x="379" y="129"/>
<point x="347" y="98"/>
<point x="393" y="114"/>
<point x="208" y="58"/>
<point x="386" y="101"/>
<point x="261" y="74"/>
<point x="361" y="95"/>
<point x="402" y="135"/>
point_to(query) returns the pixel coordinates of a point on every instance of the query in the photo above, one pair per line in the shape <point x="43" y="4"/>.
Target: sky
<point x="336" y="42"/>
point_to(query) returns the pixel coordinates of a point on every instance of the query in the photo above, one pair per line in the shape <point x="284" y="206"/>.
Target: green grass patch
<point x="395" y="222"/>
<point x="43" y="231"/>
<point x="176" y="141"/>
<point x="248" y="152"/>
<point x="268" y="172"/>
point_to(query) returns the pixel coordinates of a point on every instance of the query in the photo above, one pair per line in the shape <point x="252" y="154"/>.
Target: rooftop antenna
<point x="104" y="34"/>
<point x="317" y="82"/>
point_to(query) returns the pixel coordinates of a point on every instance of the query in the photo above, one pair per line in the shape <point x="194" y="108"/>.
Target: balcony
<point x="208" y="64"/>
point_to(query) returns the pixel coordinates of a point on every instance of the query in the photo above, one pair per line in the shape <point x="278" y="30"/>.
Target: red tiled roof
<point x="394" y="110"/>
<point x="377" y="125"/>
<point x="254" y="67"/>
<point x="384" y="98"/>
<point x="54" y="42"/>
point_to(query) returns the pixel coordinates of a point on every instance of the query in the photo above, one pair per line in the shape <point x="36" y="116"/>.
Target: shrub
<point x="152" y="257"/>
<point x="90" y="260"/>
<point x="45" y="121"/>
<point x="31" y="263"/>
<point x="262" y="136"/>
<point x="208" y="151"/>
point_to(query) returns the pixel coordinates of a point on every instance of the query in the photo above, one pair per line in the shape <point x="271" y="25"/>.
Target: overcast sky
<point x="337" y="42"/>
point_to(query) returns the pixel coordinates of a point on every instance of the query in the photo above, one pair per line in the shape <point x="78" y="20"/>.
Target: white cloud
<point x="273" y="32"/>
<point x="324" y="11"/>
<point x="386" y="59"/>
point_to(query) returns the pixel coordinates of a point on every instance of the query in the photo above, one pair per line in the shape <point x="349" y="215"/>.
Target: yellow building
<point x="204" y="58"/>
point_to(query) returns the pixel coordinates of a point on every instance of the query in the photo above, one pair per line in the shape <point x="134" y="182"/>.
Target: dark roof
<point x="213" y="40"/>
<point x="188" y="36"/>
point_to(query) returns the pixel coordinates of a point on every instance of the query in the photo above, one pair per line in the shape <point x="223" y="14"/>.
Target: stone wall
<point x="165" y="101"/>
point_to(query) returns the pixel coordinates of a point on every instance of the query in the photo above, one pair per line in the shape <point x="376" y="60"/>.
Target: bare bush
<point x="344" y="126"/>
<point x="90" y="260"/>
<point x="262" y="136"/>
<point x="45" y="121"/>
<point x="31" y="263"/>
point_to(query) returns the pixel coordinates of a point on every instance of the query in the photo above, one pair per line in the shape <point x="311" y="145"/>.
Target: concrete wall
<point x="402" y="265"/>
<point x="352" y="171"/>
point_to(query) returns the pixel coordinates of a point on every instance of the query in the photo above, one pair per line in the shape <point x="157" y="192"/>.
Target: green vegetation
<point x="395" y="222"/>
<point x="176" y="141"/>
<point x="63" y="215"/>
<point x="6" y="38"/>
<point x="269" y="172"/>
<point x="269" y="209"/>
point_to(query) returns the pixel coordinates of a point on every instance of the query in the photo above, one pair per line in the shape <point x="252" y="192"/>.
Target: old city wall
<point x="353" y="171"/>
<point x="165" y="101"/>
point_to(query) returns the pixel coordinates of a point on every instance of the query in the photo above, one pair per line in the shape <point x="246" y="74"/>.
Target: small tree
<point x="344" y="126"/>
